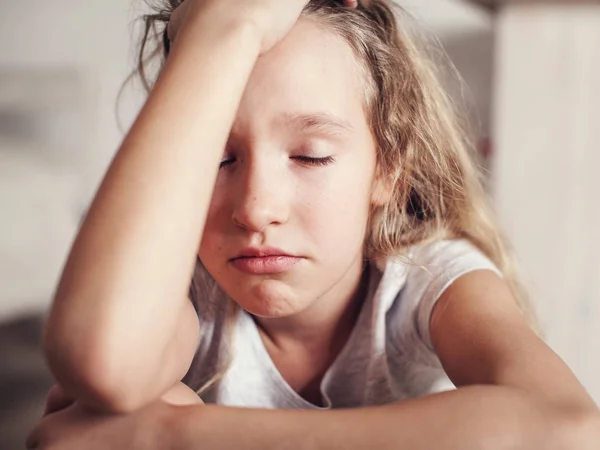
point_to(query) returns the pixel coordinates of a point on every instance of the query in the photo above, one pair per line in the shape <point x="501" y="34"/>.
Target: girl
<point x="311" y="180"/>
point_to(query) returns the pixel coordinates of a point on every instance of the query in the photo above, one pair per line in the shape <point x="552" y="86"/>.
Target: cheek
<point x="334" y="209"/>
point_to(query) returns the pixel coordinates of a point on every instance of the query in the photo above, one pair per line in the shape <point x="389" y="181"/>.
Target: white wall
<point x="466" y="32"/>
<point x="547" y="158"/>
<point x="92" y="38"/>
<point x="74" y="55"/>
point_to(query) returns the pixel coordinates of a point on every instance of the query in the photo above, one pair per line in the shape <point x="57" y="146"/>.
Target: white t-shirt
<point x="388" y="357"/>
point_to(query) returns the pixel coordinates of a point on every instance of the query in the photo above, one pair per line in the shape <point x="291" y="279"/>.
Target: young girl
<point x="302" y="166"/>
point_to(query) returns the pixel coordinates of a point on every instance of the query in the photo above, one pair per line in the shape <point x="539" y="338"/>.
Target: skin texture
<point x="268" y="196"/>
<point x="304" y="99"/>
<point x="516" y="393"/>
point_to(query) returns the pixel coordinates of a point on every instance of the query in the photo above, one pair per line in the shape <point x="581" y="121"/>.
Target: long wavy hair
<point x="424" y="149"/>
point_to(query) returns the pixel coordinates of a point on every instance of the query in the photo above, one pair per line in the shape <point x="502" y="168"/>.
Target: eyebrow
<point x="319" y="123"/>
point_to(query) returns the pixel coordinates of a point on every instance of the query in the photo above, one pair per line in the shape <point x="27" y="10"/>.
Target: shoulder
<point x="421" y="277"/>
<point x="433" y="266"/>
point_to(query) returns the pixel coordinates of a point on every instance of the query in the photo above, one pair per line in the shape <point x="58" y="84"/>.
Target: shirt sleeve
<point x="432" y="269"/>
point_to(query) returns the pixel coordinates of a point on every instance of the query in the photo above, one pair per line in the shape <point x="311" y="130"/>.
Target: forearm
<point x="124" y="287"/>
<point x="472" y="418"/>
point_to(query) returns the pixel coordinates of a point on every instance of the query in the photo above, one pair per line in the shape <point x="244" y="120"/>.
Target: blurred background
<point x="532" y="87"/>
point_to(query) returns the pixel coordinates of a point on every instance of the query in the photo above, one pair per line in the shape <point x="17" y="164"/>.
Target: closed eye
<point x="308" y="160"/>
<point x="314" y="161"/>
<point x="226" y="162"/>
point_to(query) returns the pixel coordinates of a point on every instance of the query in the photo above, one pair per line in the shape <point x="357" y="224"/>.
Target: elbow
<point x="89" y="373"/>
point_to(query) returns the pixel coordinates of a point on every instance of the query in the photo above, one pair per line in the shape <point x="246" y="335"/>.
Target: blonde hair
<point x="424" y="150"/>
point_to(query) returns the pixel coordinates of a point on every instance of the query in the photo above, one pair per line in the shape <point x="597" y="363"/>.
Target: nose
<point x="261" y="198"/>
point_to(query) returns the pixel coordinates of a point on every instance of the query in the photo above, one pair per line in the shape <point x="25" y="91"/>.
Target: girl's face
<point x="288" y="216"/>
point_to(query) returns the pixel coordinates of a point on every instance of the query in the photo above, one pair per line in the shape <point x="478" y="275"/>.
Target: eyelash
<point x="309" y="160"/>
<point x="226" y="163"/>
<point x="314" y="161"/>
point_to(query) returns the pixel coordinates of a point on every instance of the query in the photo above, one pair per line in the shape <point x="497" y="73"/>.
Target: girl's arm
<point x="514" y="393"/>
<point x="121" y="330"/>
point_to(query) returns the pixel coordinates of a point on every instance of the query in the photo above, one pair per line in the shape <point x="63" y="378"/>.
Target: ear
<point x="381" y="192"/>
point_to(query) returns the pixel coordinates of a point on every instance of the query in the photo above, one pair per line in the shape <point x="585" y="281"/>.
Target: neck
<point x="328" y="322"/>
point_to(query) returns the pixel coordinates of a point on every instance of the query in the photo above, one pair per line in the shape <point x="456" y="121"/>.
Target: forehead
<point x="314" y="73"/>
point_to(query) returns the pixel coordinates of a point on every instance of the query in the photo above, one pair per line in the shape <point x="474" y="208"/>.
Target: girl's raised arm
<point x="121" y="330"/>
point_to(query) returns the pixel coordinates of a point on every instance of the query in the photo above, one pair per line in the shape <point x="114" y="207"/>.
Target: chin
<point x="269" y="299"/>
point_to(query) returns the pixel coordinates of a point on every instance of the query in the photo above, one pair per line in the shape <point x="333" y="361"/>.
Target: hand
<point x="68" y="425"/>
<point x="274" y="18"/>
<point x="57" y="400"/>
<point x="76" y="427"/>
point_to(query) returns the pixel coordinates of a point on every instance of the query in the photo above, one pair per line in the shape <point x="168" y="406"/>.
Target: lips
<point x="265" y="261"/>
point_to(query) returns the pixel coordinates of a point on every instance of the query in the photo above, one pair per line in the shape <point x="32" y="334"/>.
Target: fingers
<point x="57" y="400"/>
<point x="32" y="441"/>
<point x="351" y="3"/>
<point x="36" y="437"/>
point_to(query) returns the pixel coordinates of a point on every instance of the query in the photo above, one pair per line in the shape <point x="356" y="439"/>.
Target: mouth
<point x="266" y="261"/>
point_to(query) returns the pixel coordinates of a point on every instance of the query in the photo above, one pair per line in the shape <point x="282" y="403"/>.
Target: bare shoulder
<point x="481" y="337"/>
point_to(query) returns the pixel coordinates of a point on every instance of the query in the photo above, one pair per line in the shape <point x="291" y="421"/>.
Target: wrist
<point x="162" y="428"/>
<point x="213" y="26"/>
<point x="222" y="427"/>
